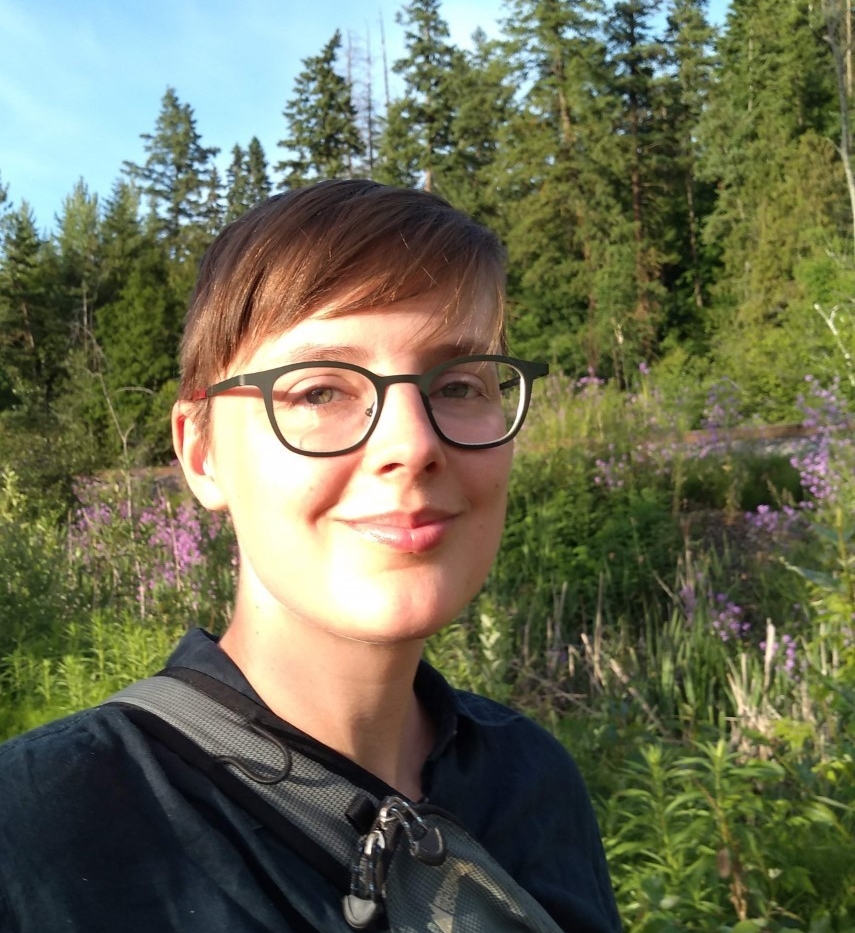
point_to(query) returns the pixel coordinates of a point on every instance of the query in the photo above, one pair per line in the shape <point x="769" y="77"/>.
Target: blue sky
<point x="80" y="81"/>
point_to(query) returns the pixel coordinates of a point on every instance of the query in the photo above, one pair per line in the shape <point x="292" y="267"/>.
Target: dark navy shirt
<point x="105" y="830"/>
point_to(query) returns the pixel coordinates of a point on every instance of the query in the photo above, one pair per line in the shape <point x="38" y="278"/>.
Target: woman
<point x="346" y="399"/>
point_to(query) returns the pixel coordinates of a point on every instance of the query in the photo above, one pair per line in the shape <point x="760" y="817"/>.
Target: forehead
<point x="428" y="326"/>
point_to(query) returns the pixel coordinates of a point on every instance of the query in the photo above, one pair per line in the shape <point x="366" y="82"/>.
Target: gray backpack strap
<point x="413" y="868"/>
<point x="314" y="799"/>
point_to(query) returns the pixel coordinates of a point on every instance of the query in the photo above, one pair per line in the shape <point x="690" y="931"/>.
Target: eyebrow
<point x="319" y="352"/>
<point x="344" y="353"/>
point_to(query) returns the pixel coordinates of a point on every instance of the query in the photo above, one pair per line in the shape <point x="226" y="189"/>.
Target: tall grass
<point x="94" y="599"/>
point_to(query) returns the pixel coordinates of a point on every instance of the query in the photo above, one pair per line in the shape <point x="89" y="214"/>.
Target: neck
<point x="354" y="697"/>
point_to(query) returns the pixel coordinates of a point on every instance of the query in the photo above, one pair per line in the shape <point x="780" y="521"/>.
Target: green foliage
<point x="246" y="179"/>
<point x="555" y="166"/>
<point x="85" y="664"/>
<point x="666" y="193"/>
<point x="482" y="96"/>
<point x="95" y="602"/>
<point x="763" y="137"/>
<point x="323" y="139"/>
<point x="34" y="584"/>
<point x="45" y="451"/>
<point x="179" y="179"/>
<point x="138" y="334"/>
<point x="703" y="835"/>
<point x="473" y="651"/>
<point x="418" y="138"/>
<point x="32" y="331"/>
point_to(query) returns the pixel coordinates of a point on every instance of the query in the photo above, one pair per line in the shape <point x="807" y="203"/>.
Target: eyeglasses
<point x="323" y="409"/>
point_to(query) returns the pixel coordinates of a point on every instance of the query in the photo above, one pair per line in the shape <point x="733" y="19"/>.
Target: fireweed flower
<point x="727" y="619"/>
<point x="825" y="460"/>
<point x="785" y="651"/>
<point x="611" y="473"/>
<point x="151" y="549"/>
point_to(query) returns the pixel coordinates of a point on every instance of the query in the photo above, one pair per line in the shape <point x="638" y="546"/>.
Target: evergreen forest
<point x="670" y="196"/>
<point x="675" y="593"/>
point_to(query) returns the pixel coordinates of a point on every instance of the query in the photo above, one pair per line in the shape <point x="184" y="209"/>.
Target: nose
<point x="403" y="439"/>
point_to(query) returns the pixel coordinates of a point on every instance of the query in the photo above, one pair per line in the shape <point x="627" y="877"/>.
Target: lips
<point x="413" y="532"/>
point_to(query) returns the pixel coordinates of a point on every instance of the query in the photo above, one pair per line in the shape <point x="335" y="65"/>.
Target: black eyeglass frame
<point x="266" y="379"/>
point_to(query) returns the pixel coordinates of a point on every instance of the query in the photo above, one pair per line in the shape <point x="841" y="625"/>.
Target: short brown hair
<point x="343" y="245"/>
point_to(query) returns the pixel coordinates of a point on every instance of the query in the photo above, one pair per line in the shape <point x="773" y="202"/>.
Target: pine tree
<point x="322" y="138"/>
<point x="213" y="209"/>
<point x="554" y="180"/>
<point x="138" y="334"/>
<point x="247" y="183"/>
<point x="258" y="188"/>
<point x="33" y="335"/>
<point x="122" y="238"/>
<point x="836" y="19"/>
<point x="418" y="137"/>
<point x="78" y="241"/>
<point x="178" y="178"/>
<point x="637" y="60"/>
<point x="237" y="185"/>
<point x="773" y="85"/>
<point x="86" y="410"/>
<point x="483" y="97"/>
<point x="41" y="288"/>
<point x="688" y="42"/>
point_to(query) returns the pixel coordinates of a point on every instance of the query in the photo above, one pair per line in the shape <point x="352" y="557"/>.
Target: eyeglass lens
<point x="326" y="409"/>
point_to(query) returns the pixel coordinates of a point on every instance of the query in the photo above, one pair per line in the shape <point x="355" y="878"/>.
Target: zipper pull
<point x="424" y="842"/>
<point x="363" y="907"/>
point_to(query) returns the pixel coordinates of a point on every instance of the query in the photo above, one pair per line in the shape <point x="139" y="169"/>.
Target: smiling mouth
<point x="414" y="534"/>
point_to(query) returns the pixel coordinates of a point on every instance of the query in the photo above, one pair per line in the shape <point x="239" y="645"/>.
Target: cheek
<point x="489" y="485"/>
<point x="294" y="488"/>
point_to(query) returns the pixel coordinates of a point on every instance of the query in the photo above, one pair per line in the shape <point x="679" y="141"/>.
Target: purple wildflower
<point x="727" y="620"/>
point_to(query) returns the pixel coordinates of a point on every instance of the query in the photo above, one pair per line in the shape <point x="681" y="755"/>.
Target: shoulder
<point x="40" y="748"/>
<point x="512" y="734"/>
<point x="501" y="761"/>
<point x="86" y="809"/>
<point x="51" y="776"/>
<point x="481" y="729"/>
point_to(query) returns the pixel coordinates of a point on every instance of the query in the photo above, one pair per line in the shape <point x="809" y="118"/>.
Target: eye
<point x="464" y="382"/>
<point x="459" y="389"/>
<point x="321" y="395"/>
<point x="317" y="396"/>
<point x="316" y="391"/>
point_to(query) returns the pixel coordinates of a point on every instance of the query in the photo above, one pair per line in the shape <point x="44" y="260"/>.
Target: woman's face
<point x="384" y="544"/>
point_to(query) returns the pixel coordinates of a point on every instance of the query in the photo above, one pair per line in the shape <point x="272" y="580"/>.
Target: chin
<point x="405" y="620"/>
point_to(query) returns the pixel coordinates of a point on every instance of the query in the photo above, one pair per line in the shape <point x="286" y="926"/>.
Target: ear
<point x="196" y="459"/>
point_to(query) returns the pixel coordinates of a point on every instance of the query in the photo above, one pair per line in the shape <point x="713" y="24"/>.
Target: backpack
<point x="401" y="866"/>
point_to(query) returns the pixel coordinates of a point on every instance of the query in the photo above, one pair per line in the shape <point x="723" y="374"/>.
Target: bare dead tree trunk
<point x="369" y="102"/>
<point x="348" y="72"/>
<point x="384" y="54"/>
